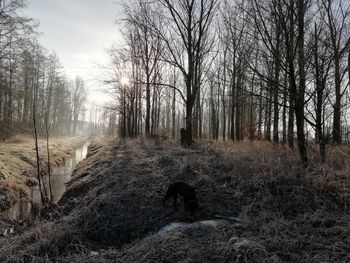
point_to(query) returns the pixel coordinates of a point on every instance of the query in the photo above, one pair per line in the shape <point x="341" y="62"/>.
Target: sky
<point x="80" y="32"/>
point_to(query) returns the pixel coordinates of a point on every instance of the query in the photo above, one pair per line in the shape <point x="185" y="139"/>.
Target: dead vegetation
<point x="17" y="163"/>
<point x="112" y="209"/>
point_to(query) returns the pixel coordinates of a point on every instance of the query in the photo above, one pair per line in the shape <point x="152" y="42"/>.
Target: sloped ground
<point x="113" y="209"/>
<point x="18" y="162"/>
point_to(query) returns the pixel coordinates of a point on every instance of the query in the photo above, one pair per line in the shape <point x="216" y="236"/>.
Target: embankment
<point x="112" y="210"/>
<point x="18" y="163"/>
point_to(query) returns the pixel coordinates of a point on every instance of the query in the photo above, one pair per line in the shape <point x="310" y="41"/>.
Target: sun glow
<point x="124" y="80"/>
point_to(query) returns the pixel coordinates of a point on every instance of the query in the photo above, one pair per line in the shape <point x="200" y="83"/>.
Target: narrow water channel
<point x="60" y="176"/>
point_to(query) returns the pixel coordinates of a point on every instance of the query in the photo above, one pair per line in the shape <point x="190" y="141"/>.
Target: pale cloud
<point x="80" y="32"/>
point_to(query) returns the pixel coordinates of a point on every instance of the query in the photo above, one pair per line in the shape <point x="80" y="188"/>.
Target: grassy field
<point x="112" y="210"/>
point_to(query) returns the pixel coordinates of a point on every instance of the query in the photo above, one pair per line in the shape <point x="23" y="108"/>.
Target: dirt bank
<point x="113" y="209"/>
<point x="18" y="162"/>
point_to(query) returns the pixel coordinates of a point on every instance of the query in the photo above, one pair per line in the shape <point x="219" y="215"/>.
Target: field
<point x="267" y="207"/>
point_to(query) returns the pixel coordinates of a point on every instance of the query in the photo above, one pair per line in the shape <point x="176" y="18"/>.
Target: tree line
<point x="32" y="80"/>
<point x="275" y="70"/>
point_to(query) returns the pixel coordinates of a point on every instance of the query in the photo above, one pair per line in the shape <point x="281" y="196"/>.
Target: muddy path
<point x="112" y="209"/>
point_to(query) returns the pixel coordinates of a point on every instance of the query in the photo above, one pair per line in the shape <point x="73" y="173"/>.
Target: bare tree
<point x="79" y="95"/>
<point x="336" y="15"/>
<point x="186" y="34"/>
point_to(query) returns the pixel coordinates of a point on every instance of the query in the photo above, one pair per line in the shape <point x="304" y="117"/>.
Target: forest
<point x="33" y="82"/>
<point x="223" y="136"/>
<point x="263" y="70"/>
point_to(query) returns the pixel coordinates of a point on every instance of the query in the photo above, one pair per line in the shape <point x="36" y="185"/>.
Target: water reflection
<point x="60" y="176"/>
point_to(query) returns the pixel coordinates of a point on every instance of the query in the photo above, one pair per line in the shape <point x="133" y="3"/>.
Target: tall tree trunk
<point x="189" y="123"/>
<point x="299" y="102"/>
<point x="269" y="117"/>
<point x="139" y="126"/>
<point x="153" y="110"/>
<point x="320" y="87"/>
<point x="275" y="97"/>
<point x="260" y="113"/>
<point x="284" y="117"/>
<point x="224" y="98"/>
<point x="337" y="105"/>
<point x="200" y="125"/>
<point x="289" y="40"/>
<point x="238" y="112"/>
<point x="148" y="105"/>
<point x="233" y="107"/>
<point x="196" y="118"/>
<point x="217" y="124"/>
<point x="10" y="101"/>
<point x="26" y="100"/>
<point x="174" y="114"/>
<point x="38" y="164"/>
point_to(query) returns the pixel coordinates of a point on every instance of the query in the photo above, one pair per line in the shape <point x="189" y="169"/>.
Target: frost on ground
<point x="112" y="210"/>
<point x="18" y="162"/>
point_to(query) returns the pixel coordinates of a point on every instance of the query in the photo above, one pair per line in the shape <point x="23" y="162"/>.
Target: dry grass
<point x="18" y="138"/>
<point x="112" y="209"/>
<point x="11" y="183"/>
<point x="18" y="162"/>
<point x="10" y="191"/>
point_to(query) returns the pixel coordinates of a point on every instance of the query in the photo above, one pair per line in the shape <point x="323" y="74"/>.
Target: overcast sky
<point x="79" y="31"/>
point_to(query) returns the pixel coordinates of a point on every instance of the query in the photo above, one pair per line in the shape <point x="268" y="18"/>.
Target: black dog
<point x="186" y="191"/>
